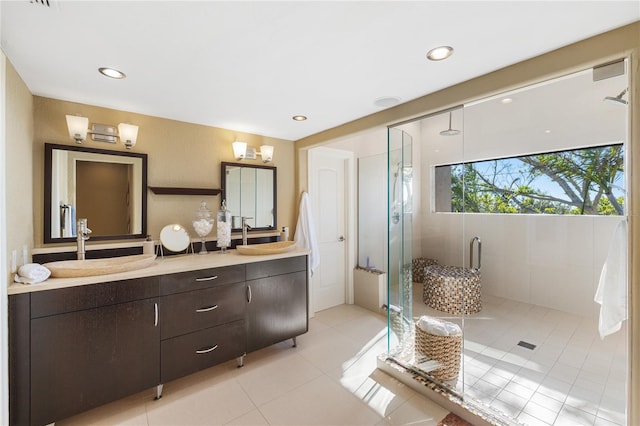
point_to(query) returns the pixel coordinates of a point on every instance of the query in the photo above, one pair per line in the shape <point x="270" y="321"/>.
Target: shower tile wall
<point x="551" y="261"/>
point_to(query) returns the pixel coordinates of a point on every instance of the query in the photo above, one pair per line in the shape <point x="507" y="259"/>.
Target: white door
<point x="328" y="192"/>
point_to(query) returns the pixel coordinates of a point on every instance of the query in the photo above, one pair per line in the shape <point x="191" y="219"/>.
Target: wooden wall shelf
<point x="165" y="190"/>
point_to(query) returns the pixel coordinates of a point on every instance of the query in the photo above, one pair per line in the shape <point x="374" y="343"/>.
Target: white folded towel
<point x="437" y="327"/>
<point x="31" y="273"/>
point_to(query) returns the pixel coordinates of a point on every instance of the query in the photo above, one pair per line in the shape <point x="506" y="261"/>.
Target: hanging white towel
<point x="305" y="236"/>
<point x="612" y="288"/>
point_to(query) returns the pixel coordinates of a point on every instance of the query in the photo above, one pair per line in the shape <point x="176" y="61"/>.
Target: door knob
<point x="341" y="239"/>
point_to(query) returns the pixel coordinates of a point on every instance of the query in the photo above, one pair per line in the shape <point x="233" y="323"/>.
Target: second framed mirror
<point x="250" y="191"/>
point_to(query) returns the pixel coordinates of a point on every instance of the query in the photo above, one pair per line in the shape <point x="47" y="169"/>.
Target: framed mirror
<point x="109" y="188"/>
<point x="250" y="191"/>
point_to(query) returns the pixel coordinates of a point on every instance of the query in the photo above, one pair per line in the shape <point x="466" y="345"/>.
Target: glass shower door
<point x="400" y="199"/>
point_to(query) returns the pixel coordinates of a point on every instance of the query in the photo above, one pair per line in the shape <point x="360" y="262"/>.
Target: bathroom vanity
<point x="78" y="343"/>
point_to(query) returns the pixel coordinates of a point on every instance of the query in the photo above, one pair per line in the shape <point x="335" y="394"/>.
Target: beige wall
<point x="19" y="171"/>
<point x="180" y="154"/>
<point x="616" y="44"/>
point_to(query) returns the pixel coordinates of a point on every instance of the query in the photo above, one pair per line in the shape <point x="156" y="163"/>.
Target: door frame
<point x="350" y="192"/>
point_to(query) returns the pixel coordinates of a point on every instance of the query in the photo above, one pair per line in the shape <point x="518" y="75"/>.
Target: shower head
<point x="617" y="100"/>
<point x="450" y="131"/>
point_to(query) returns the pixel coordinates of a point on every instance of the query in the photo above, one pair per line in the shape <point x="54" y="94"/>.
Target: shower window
<point x="587" y="181"/>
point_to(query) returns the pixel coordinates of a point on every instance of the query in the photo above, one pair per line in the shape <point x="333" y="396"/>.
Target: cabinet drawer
<point x="271" y="268"/>
<point x="60" y="301"/>
<point x="196" y="351"/>
<point x="195" y="280"/>
<point x="186" y="312"/>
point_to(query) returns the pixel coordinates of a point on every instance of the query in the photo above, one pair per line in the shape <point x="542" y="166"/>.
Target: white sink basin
<point x="267" y="248"/>
<point x="91" y="267"/>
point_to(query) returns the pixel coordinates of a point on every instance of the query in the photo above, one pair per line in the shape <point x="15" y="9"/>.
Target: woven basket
<point x="395" y="322"/>
<point x="443" y="349"/>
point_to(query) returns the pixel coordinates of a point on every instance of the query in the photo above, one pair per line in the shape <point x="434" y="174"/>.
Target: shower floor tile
<point x="570" y="377"/>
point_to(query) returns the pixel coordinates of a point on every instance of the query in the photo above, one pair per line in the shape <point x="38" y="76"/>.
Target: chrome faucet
<point x="245" y="228"/>
<point x="82" y="235"/>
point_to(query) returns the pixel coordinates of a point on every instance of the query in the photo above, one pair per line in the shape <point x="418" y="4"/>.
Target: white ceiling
<point x="249" y="66"/>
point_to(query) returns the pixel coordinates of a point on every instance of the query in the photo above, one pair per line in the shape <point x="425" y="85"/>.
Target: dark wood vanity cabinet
<point x="88" y="346"/>
<point x="73" y="349"/>
<point x="202" y="319"/>
<point x="278" y="301"/>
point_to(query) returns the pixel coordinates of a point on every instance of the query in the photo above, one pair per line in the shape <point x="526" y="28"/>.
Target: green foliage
<point x="579" y="182"/>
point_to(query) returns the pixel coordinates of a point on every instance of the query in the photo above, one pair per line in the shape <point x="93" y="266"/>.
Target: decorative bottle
<point x="203" y="224"/>
<point x="224" y="227"/>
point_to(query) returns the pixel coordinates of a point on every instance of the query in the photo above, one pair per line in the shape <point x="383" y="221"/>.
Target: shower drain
<point x="526" y="345"/>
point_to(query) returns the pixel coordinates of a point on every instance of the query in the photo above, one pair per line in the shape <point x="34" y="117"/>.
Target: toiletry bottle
<point x="284" y="234"/>
<point x="148" y="246"/>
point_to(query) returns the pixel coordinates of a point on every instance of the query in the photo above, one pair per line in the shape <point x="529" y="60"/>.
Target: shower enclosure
<point x="400" y="200"/>
<point x="541" y="186"/>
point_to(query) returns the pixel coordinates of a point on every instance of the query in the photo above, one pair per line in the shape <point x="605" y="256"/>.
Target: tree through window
<point x="587" y="181"/>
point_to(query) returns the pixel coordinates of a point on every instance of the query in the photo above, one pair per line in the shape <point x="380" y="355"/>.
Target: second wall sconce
<point x="241" y="151"/>
<point x="79" y="128"/>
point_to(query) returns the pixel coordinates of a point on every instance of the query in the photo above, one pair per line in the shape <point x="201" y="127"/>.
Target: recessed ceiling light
<point x="386" y="101"/>
<point x="299" y="117"/>
<point x="439" y="53"/>
<point x="506" y="100"/>
<point x="547" y="131"/>
<point x="112" y="73"/>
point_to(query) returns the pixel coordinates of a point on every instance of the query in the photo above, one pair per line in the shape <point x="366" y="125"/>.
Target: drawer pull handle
<point x="209" y="309"/>
<point x="249" y="295"/>
<point x="206" y="351"/>
<point x="215" y="277"/>
<point x="155" y="323"/>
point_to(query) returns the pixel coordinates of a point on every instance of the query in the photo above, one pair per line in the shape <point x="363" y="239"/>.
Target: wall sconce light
<point x="266" y="152"/>
<point x="79" y="128"/>
<point x="241" y="151"/>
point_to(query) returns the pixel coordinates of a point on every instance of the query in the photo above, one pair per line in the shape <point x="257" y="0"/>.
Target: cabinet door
<point x="83" y="359"/>
<point x="277" y="309"/>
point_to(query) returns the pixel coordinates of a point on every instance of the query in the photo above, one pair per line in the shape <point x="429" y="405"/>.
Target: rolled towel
<point x="432" y="326"/>
<point x="452" y="328"/>
<point x="438" y="327"/>
<point x="31" y="273"/>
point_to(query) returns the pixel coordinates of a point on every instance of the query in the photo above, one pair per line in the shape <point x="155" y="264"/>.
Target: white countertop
<point x="161" y="266"/>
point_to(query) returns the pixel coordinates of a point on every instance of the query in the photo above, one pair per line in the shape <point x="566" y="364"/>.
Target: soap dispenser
<point x="148" y="246"/>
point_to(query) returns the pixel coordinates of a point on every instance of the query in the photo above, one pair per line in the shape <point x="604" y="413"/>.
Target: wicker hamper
<point x="395" y="320"/>
<point x="443" y="349"/>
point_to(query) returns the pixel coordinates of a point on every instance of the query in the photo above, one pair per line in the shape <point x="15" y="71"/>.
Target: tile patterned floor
<point x="329" y="379"/>
<point x="572" y="377"/>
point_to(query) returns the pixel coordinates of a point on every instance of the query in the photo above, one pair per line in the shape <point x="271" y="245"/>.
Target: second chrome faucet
<point x="245" y="228"/>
